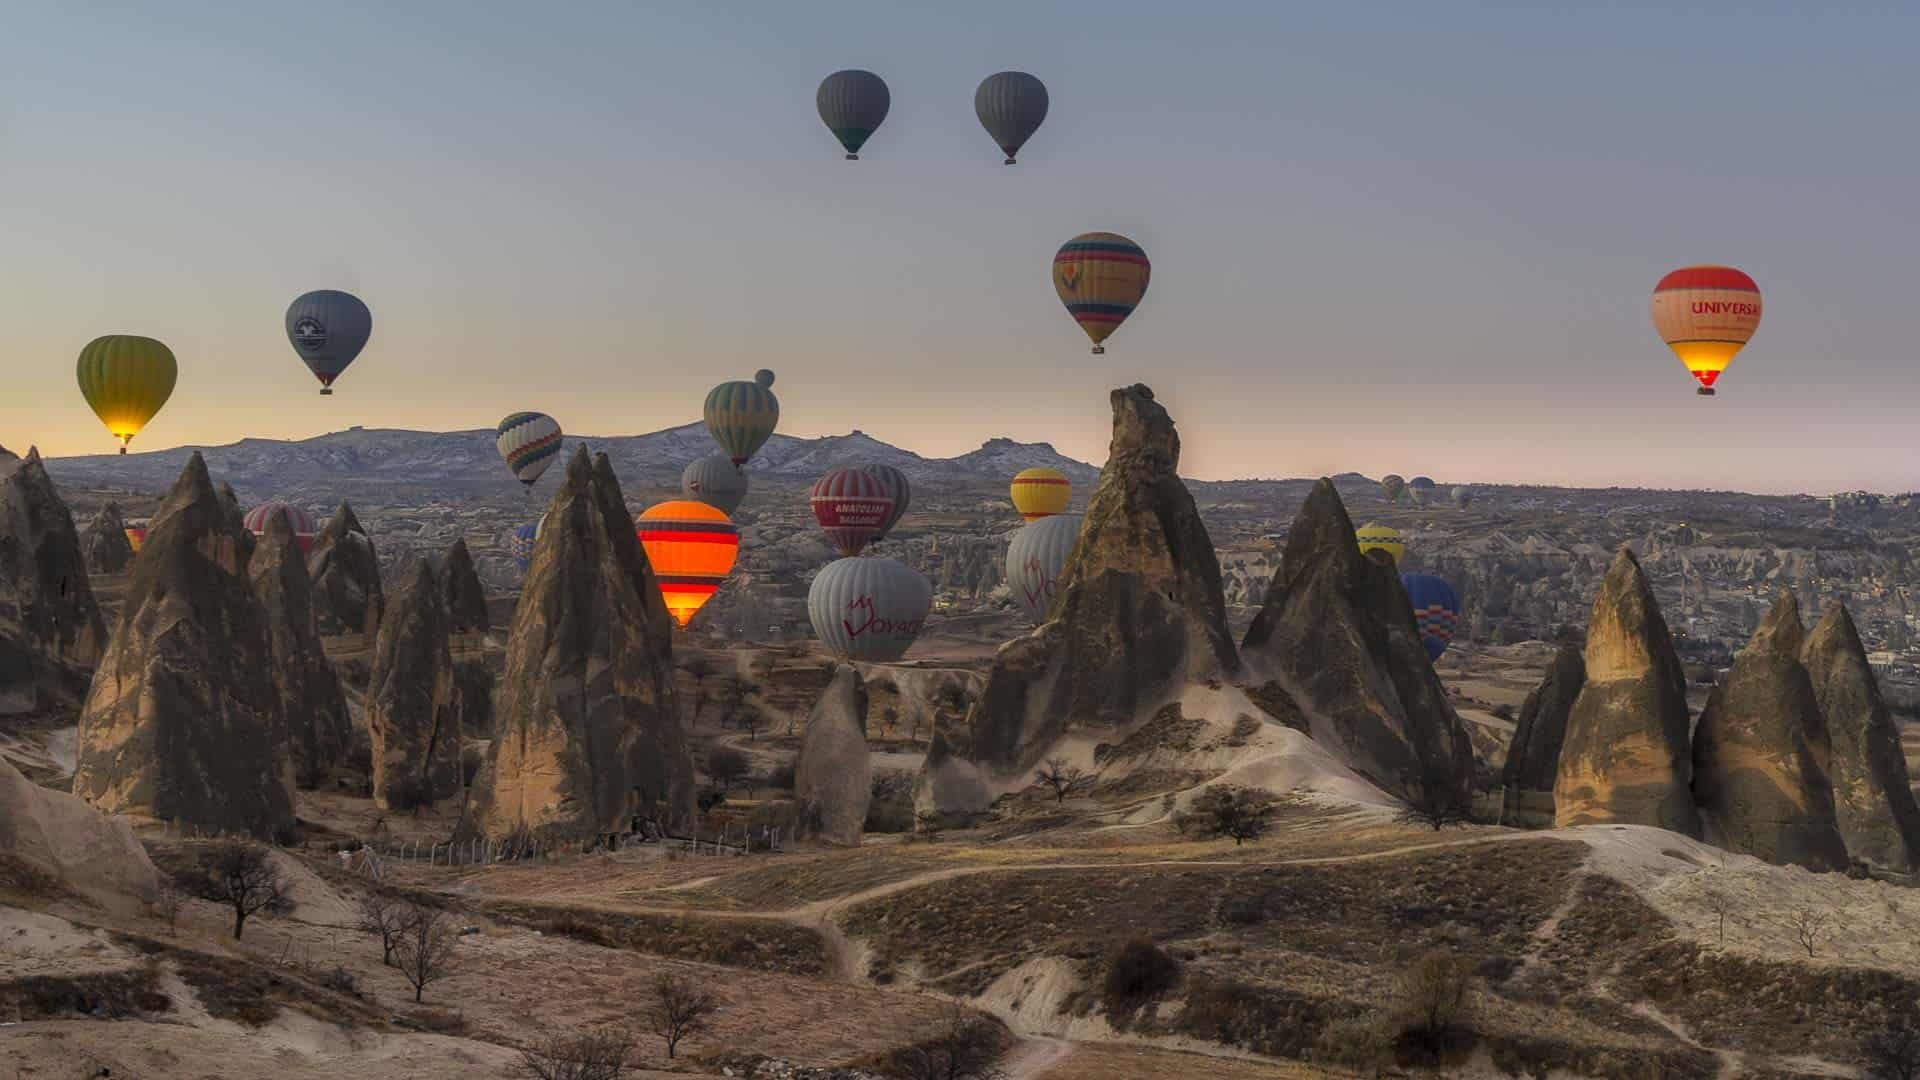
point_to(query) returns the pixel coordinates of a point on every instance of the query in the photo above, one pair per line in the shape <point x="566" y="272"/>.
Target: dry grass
<point x="114" y="995"/>
<point x="758" y="944"/>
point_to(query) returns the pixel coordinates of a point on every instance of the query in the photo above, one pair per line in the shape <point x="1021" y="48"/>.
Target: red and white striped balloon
<point x="852" y="508"/>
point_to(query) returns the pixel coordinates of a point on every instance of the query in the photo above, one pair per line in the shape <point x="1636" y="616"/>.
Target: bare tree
<point x="1893" y="1052"/>
<point x="386" y="918"/>
<point x="1436" y="804"/>
<point x="1060" y="778"/>
<point x="1722" y="906"/>
<point x="587" y="1055"/>
<point x="963" y="1046"/>
<point x="1238" y="812"/>
<point x="167" y="902"/>
<point x="678" y="1008"/>
<point x="1810" y="926"/>
<point x="425" y="950"/>
<point x="244" y="877"/>
<point x="1435" y="998"/>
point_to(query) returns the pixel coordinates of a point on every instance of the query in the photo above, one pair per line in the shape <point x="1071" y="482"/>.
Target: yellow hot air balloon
<point x="1706" y="314"/>
<point x="1041" y="492"/>
<point x="1101" y="277"/>
<point x="126" y="379"/>
<point x="1374" y="536"/>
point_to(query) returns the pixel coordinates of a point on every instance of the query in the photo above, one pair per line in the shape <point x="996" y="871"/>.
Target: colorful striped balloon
<point x="1041" y="492"/>
<point x="520" y="543"/>
<point x="1101" y="277"/>
<point x="136" y="535"/>
<point x="897" y="488"/>
<point x="691" y="547"/>
<point x="852" y="507"/>
<point x="528" y="442"/>
<point x="741" y="416"/>
<point x="1706" y="314"/>
<point x="303" y="524"/>
<point x="1436" y="610"/>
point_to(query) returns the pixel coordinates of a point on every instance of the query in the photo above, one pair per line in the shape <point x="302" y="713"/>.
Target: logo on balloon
<point x="874" y="622"/>
<point x="310" y="333"/>
<point x="1070" y="275"/>
<point x="1045" y="588"/>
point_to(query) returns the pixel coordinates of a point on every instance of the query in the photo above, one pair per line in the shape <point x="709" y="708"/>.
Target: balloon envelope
<point x="1421" y="488"/>
<point x="258" y="518"/>
<point x="851" y="507"/>
<point x="1706" y="314"/>
<point x="520" y="543"/>
<point x="1041" y="492"/>
<point x="136" y="535"/>
<point x="528" y="442"/>
<point x="1463" y="497"/>
<point x="716" y="481"/>
<point x="895" y="483"/>
<point x="741" y="415"/>
<point x="852" y="104"/>
<point x="691" y="547"/>
<point x="327" y="329"/>
<point x="868" y="609"/>
<point x="126" y="379"/>
<point x="1393" y="485"/>
<point x="1374" y="536"/>
<point x="1436" y="610"/>
<point x="1037" y="554"/>
<point x="1101" y="277"/>
<point x="1011" y="106"/>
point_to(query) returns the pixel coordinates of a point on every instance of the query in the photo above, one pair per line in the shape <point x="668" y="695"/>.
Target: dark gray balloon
<point x="852" y="103"/>
<point x="1011" y="105"/>
<point x="328" y="328"/>
<point x="716" y="481"/>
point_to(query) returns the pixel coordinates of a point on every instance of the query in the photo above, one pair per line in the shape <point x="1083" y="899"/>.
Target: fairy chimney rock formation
<point x="1533" y="757"/>
<point x="833" y="778"/>
<point x="319" y="730"/>
<point x="346" y="577"/>
<point x="50" y="626"/>
<point x="466" y="599"/>
<point x="466" y="605"/>
<point x="411" y="713"/>
<point x="1872" y="794"/>
<point x="105" y="544"/>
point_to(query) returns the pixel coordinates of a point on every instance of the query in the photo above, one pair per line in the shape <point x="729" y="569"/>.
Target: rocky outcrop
<point x="589" y="740"/>
<point x="833" y="778"/>
<point x="467" y="626"/>
<point x="1760" y="754"/>
<point x="410" y="699"/>
<point x="105" y="545"/>
<point x="1140" y="614"/>
<point x="1625" y="758"/>
<point x="50" y="627"/>
<point x="237" y="519"/>
<point x="77" y="846"/>
<point x="466" y="599"/>
<point x="319" y="731"/>
<point x="1872" y="794"/>
<point x="1337" y="633"/>
<point x="346" y="577"/>
<point x="183" y="721"/>
<point x="1533" y="758"/>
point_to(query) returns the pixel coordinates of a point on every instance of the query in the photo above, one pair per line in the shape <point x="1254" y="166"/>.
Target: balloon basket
<point x="326" y="391"/>
<point x="1705" y="391"/>
<point x="853" y="157"/>
<point x="1010" y="161"/>
<point x="123" y="449"/>
<point x="1099" y="350"/>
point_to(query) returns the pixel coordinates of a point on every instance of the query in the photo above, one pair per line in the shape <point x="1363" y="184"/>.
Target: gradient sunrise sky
<point x="1412" y="237"/>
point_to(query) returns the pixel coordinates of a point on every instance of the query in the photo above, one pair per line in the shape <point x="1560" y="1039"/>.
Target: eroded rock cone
<point x="833" y="778"/>
<point x="466" y="598"/>
<point x="1760" y="754"/>
<point x="183" y="722"/>
<point x="1533" y="758"/>
<point x="346" y="577"/>
<point x="50" y="627"/>
<point x="319" y="730"/>
<point x="1337" y="628"/>
<point x="105" y="545"/>
<point x="589" y="741"/>
<point x="237" y="518"/>
<point x="411" y="714"/>
<point x="1625" y="758"/>
<point x="467" y="622"/>
<point x="1872" y="794"/>
<point x="1140" y="613"/>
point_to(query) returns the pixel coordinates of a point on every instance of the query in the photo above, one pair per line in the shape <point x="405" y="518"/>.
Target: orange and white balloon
<point x="1706" y="314"/>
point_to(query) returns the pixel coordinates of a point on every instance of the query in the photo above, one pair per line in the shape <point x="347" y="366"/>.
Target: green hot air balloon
<point x="1011" y="106"/>
<point x="741" y="415"/>
<point x="1393" y="485"/>
<point x="852" y="104"/>
<point x="126" y="379"/>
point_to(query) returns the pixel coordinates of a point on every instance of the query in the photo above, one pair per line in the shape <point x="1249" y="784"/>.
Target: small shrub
<point x="1359" y="1042"/>
<point x="1137" y="972"/>
<point x="1893" y="1052"/>
<point x="1243" y="910"/>
<point x="890" y="813"/>
<point x="589" y="1055"/>
<point x="1434" y="1004"/>
<point x="341" y="981"/>
<point x="1237" y="812"/>
<point x="726" y="766"/>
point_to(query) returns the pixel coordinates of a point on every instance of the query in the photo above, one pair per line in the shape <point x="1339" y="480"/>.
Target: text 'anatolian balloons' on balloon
<point x="716" y="481"/>
<point x="1436" y="610"/>
<point x="1101" y="277"/>
<point x="126" y="379"/>
<point x="1706" y="314"/>
<point x="691" y="547"/>
<point x="528" y="442"/>
<point x="302" y="523"/>
<point x="895" y="484"/>
<point x="1037" y="555"/>
<point x="327" y="329"/>
<point x="741" y="415"/>
<point x="851" y="507"/>
<point x="1393" y="485"/>
<point x="1011" y="105"/>
<point x="1374" y="536"/>
<point x="852" y="104"/>
<point x="868" y="609"/>
<point x="1040" y="492"/>
<point x="520" y="543"/>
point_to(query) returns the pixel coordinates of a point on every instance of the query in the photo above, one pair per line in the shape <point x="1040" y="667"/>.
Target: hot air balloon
<point x="1041" y="492"/>
<point x="895" y="483"/>
<point x="520" y="543"/>
<point x="1436" y="610"/>
<point x="302" y="522"/>
<point x="1101" y="277"/>
<point x="126" y="379"/>
<point x="1011" y="106"/>
<point x="1463" y="496"/>
<point x="691" y="547"/>
<point x="1036" y="556"/>
<point x="868" y="609"/>
<point x="328" y="328"/>
<point x="852" y="507"/>
<point x="852" y="103"/>
<point x="741" y="415"/>
<point x="1393" y="485"/>
<point x="1706" y="314"/>
<point x="1374" y="536"/>
<point x="1421" y="488"/>
<point x="528" y="442"/>
<point x="716" y="481"/>
<point x="136" y="533"/>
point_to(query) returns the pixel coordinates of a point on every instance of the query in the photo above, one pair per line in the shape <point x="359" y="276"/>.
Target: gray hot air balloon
<point x="1036" y="557"/>
<point x="868" y="608"/>
<point x="896" y="484"/>
<point x="1011" y="105"/>
<point x="852" y="104"/>
<point x="1393" y="485"/>
<point x="1463" y="496"/>
<point x="328" y="328"/>
<point x="715" y="481"/>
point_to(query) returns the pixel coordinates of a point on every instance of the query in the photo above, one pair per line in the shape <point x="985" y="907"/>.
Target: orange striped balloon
<point x="1706" y="314"/>
<point x="692" y="547"/>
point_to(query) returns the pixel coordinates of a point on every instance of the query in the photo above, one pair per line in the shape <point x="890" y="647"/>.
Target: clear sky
<point x="1413" y="237"/>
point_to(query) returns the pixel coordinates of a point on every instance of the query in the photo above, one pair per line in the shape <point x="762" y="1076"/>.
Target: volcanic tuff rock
<point x="589" y="736"/>
<point x="833" y="778"/>
<point x="1337" y="631"/>
<point x="346" y="577"/>
<point x="1760" y="754"/>
<point x="1872" y="795"/>
<point x="49" y="623"/>
<point x="183" y="721"/>
<point x="410" y="699"/>
<point x="1625" y="758"/>
<point x="1139" y="616"/>
<point x="105" y="543"/>
<point x="319" y="730"/>
<point x="237" y="517"/>
<point x="1533" y="758"/>
<point x="467" y="624"/>
<point x="466" y="600"/>
<point x="64" y="838"/>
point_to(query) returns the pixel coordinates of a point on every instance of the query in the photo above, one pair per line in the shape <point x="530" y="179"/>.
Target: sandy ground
<point x="33" y="943"/>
